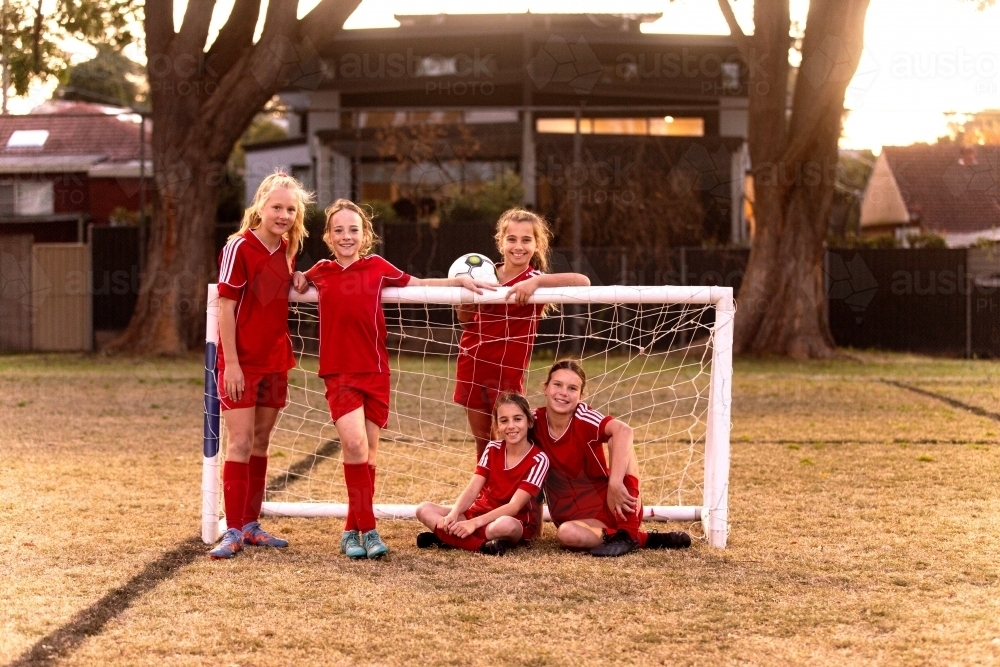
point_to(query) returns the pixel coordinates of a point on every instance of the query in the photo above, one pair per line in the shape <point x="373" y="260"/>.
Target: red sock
<point x="352" y="522"/>
<point x="643" y="536"/>
<point x="235" y="480"/>
<point x="632" y="521"/>
<point x="255" y="491"/>
<point x="359" y="495"/>
<point x="470" y="543"/>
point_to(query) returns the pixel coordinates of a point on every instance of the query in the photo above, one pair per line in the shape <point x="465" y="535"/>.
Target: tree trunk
<point x="782" y="302"/>
<point x="202" y="102"/>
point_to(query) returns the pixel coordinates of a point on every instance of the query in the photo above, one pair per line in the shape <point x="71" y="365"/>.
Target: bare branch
<point x="740" y="37"/>
<point x="236" y="36"/>
<point x="325" y="19"/>
<point x="194" y="30"/>
<point x="280" y="20"/>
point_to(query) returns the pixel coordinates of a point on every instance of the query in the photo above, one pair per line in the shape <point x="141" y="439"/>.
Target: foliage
<point x="925" y="240"/>
<point x="36" y="34"/>
<point x="982" y="127"/>
<point x="486" y="202"/>
<point x="382" y="211"/>
<point x="108" y="78"/>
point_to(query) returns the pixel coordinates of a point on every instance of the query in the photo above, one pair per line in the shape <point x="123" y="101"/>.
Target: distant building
<point x="411" y="114"/>
<point x="949" y="190"/>
<point x="65" y="166"/>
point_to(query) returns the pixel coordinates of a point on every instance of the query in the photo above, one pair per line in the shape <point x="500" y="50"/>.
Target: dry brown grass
<point x="864" y="530"/>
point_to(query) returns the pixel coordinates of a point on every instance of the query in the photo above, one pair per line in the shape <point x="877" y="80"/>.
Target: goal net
<point x="658" y="358"/>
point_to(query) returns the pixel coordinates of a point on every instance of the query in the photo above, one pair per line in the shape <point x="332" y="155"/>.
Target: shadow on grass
<point x="945" y="399"/>
<point x="91" y="621"/>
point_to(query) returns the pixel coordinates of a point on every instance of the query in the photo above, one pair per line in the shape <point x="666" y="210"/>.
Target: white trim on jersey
<point x="589" y="415"/>
<point x="228" y="260"/>
<point x="536" y="476"/>
<point x="484" y="460"/>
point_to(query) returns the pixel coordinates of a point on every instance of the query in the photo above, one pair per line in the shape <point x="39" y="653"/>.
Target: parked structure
<point x="66" y="165"/>
<point x="948" y="190"/>
<point x="413" y="114"/>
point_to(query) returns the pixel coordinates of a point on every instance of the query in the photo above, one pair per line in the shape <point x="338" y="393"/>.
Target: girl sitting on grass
<point x="498" y="509"/>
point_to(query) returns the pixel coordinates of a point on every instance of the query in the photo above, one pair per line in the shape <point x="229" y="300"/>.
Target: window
<point x="27" y="138"/>
<point x="26" y="198"/>
<point x="659" y="126"/>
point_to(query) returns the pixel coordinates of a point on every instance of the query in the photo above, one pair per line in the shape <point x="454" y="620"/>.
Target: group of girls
<point x="559" y="447"/>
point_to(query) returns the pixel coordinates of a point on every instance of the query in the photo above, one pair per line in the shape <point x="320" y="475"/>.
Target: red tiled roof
<point x="948" y="196"/>
<point x="77" y="129"/>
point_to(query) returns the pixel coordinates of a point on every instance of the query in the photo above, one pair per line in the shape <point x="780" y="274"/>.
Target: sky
<point x="926" y="62"/>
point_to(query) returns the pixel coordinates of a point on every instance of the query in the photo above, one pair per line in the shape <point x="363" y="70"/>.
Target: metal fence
<point x="931" y="300"/>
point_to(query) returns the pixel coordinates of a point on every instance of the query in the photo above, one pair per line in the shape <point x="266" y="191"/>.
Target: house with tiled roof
<point x="949" y="190"/>
<point x="67" y="165"/>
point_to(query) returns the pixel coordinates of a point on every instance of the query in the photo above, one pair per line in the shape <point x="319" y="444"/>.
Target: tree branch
<point x="326" y="17"/>
<point x="159" y="25"/>
<point x="194" y="29"/>
<point x="740" y="37"/>
<point x="235" y="37"/>
<point x="279" y="20"/>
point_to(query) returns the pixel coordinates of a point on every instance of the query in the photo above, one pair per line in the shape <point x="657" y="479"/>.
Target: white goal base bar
<point x="339" y="511"/>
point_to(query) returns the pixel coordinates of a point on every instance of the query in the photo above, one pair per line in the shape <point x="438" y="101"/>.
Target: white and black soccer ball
<point x="478" y="267"/>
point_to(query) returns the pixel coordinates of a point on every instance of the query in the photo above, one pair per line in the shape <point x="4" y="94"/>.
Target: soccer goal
<point x="658" y="358"/>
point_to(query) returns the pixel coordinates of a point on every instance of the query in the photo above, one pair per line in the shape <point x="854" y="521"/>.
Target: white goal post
<point x="712" y="418"/>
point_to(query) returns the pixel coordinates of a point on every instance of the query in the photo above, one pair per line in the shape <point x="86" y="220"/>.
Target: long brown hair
<point x="513" y="398"/>
<point x="539" y="227"/>
<point x="297" y="233"/>
<point x="368" y="237"/>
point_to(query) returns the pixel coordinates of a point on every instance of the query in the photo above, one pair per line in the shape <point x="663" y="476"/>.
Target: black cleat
<point x="427" y="540"/>
<point x="493" y="548"/>
<point x="615" y="545"/>
<point x="674" y="540"/>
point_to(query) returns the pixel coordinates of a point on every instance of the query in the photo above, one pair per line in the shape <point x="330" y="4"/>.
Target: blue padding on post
<point x="211" y="430"/>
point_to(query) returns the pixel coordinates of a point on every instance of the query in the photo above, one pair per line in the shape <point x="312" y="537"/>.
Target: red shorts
<point x="481" y="393"/>
<point x="260" y="390"/>
<point x="589" y="505"/>
<point x="347" y="392"/>
<point x="529" y="529"/>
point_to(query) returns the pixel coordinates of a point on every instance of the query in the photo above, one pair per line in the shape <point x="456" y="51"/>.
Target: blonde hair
<point x="296" y="235"/>
<point x="368" y="237"/>
<point x="539" y="227"/>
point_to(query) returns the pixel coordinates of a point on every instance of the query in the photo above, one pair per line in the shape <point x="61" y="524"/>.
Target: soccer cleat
<point x="615" y="545"/>
<point x="427" y="539"/>
<point x="374" y="546"/>
<point x="350" y="544"/>
<point x="256" y="536"/>
<point x="231" y="544"/>
<point x="493" y="548"/>
<point x="674" y="540"/>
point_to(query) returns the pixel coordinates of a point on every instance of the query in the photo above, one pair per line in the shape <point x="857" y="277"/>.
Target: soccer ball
<point x="479" y="267"/>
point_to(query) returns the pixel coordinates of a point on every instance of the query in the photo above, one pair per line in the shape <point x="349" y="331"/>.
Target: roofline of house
<point x="278" y="143"/>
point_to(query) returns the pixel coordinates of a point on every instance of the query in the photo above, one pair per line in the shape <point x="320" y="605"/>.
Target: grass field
<point x="864" y="530"/>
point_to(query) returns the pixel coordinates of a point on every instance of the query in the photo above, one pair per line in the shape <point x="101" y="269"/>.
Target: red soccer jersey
<point x="501" y="481"/>
<point x="258" y="281"/>
<point x="496" y="345"/>
<point x="351" y="324"/>
<point x="577" y="485"/>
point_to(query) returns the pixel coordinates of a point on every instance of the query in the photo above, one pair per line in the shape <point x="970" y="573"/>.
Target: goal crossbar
<point x="713" y="513"/>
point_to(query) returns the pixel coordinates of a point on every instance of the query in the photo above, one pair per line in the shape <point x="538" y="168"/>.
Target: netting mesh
<point x="647" y="364"/>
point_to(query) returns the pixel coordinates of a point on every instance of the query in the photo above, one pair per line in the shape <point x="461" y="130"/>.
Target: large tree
<point x="202" y="102"/>
<point x="793" y="153"/>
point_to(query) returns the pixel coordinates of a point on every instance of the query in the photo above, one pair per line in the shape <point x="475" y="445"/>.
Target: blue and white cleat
<point x="373" y="544"/>
<point x="350" y="544"/>
<point x="231" y="544"/>
<point x="256" y="536"/>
